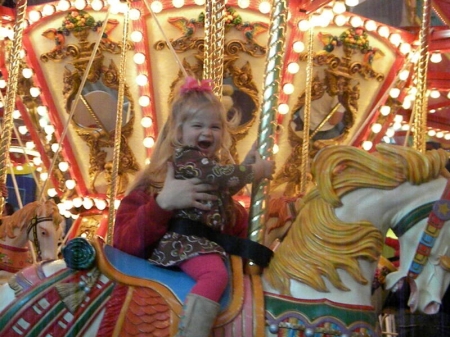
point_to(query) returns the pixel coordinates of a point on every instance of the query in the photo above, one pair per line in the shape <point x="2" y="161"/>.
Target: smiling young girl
<point x="197" y="239"/>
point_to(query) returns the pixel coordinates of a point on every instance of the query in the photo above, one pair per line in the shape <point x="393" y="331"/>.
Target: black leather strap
<point x="245" y="248"/>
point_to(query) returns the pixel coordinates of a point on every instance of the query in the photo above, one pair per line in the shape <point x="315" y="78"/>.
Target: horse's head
<point x="45" y="230"/>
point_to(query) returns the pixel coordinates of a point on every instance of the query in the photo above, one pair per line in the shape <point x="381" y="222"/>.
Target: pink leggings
<point x="210" y="273"/>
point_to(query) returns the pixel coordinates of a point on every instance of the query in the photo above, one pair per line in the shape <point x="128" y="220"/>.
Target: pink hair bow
<point x="193" y="84"/>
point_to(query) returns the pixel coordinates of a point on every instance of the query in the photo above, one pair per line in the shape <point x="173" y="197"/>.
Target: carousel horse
<point x="317" y="284"/>
<point x="38" y="222"/>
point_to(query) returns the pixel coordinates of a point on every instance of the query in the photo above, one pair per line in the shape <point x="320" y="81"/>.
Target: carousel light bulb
<point x="141" y="80"/>
<point x="394" y="92"/>
<point x="116" y="204"/>
<point x="100" y="204"/>
<point x="63" y="166"/>
<point x="79" y="4"/>
<point x="77" y="202"/>
<point x="395" y="39"/>
<point x="51" y="192"/>
<point x="435" y="93"/>
<point x="27" y="72"/>
<point x="327" y="13"/>
<point x="136" y="36"/>
<point x="376" y="127"/>
<point x="405" y="127"/>
<point x="351" y="3"/>
<point x="383" y="31"/>
<point x="397" y="126"/>
<point x="42" y="110"/>
<point x="264" y="7"/>
<point x="447" y="136"/>
<point x="157" y="6"/>
<point x="43" y="122"/>
<point x="339" y="7"/>
<point x="34" y="16"/>
<point x="148" y="142"/>
<point x="97" y="5"/>
<point x="68" y="204"/>
<point x="436" y="57"/>
<point x="276" y="148"/>
<point x="55" y="147"/>
<point x="139" y="58"/>
<point x="16" y="114"/>
<point x="385" y="110"/>
<point x="43" y="176"/>
<point x="49" y="129"/>
<point x="405" y="48"/>
<point x="356" y="21"/>
<point x="70" y="184"/>
<point x="370" y="25"/>
<point x="367" y="145"/>
<point x="30" y="145"/>
<point x="2" y="84"/>
<point x="293" y="68"/>
<point x="298" y="46"/>
<point x="199" y="2"/>
<point x="88" y="203"/>
<point x="288" y="88"/>
<point x="37" y="161"/>
<point x="439" y="134"/>
<point x="303" y="25"/>
<point x="19" y="168"/>
<point x="23" y="130"/>
<point x="135" y="14"/>
<point x="314" y="20"/>
<point x="340" y="20"/>
<point x="144" y="101"/>
<point x="35" y="91"/>
<point x="178" y="3"/>
<point x="146" y="122"/>
<point x="243" y="3"/>
<point x="1" y="104"/>
<point x="448" y="95"/>
<point x="403" y="75"/>
<point x="407" y="104"/>
<point x="431" y="133"/>
<point x="283" y="109"/>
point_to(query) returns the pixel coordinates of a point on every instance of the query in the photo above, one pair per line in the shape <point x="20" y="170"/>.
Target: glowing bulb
<point x="370" y="25"/>
<point x="49" y="129"/>
<point x="339" y="7"/>
<point x="135" y="14"/>
<point x="288" y="88"/>
<point x="394" y="92"/>
<point x="16" y="114"/>
<point x="178" y="3"/>
<point x="367" y="145"/>
<point x="70" y="184"/>
<point x="97" y="5"/>
<point x="264" y="7"/>
<point x="298" y="46"/>
<point x="148" y="142"/>
<point x="23" y="130"/>
<point x="156" y="6"/>
<point x="404" y="74"/>
<point x="136" y="36"/>
<point x="55" y="147"/>
<point x="88" y="203"/>
<point x="144" y="101"/>
<point x="77" y="202"/>
<point x="383" y="31"/>
<point x="43" y="176"/>
<point x="436" y="57"/>
<point x="356" y="21"/>
<point x="303" y="25"/>
<point x="340" y="20"/>
<point x="283" y="109"/>
<point x="34" y="16"/>
<point x="80" y="4"/>
<point x="146" y="122"/>
<point x="35" y="91"/>
<point x="243" y="3"/>
<point x="141" y="79"/>
<point x="293" y="67"/>
<point x="27" y="72"/>
<point x="376" y="127"/>
<point x="435" y="94"/>
<point x="51" y="192"/>
<point x="395" y="39"/>
<point x="63" y="166"/>
<point x="385" y="110"/>
<point x="139" y="58"/>
<point x="100" y="204"/>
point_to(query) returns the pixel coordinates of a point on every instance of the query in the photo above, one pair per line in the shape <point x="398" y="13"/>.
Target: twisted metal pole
<point x="271" y="91"/>
<point x="118" y="129"/>
<point x="214" y="44"/>
<point x="420" y="108"/>
<point x="11" y="92"/>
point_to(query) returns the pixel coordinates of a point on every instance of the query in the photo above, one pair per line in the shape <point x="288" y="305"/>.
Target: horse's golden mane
<point x="318" y="243"/>
<point x="21" y="218"/>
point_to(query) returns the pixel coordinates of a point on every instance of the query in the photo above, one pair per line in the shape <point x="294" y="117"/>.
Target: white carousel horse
<point x="38" y="222"/>
<point x="317" y="284"/>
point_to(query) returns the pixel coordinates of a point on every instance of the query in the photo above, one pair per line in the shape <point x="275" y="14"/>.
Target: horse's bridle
<point x="32" y="226"/>
<point x="438" y="213"/>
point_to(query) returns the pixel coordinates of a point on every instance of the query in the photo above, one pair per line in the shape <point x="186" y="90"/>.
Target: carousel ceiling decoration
<point x="70" y="76"/>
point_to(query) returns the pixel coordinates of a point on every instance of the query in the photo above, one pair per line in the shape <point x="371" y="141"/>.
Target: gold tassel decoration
<point x="73" y="294"/>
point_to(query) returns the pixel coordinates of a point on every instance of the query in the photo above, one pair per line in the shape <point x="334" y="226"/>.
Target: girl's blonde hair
<point x="185" y="107"/>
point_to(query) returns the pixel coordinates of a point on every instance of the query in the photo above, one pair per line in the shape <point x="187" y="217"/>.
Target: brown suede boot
<point x="198" y="317"/>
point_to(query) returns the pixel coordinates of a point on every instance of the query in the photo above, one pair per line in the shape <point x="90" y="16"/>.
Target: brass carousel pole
<point x="420" y="109"/>
<point x="214" y="43"/>
<point x="307" y="113"/>
<point x="118" y="129"/>
<point x="11" y="92"/>
<point x="271" y="91"/>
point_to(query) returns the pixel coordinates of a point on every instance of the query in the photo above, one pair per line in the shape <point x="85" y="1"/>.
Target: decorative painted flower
<point x="77" y="21"/>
